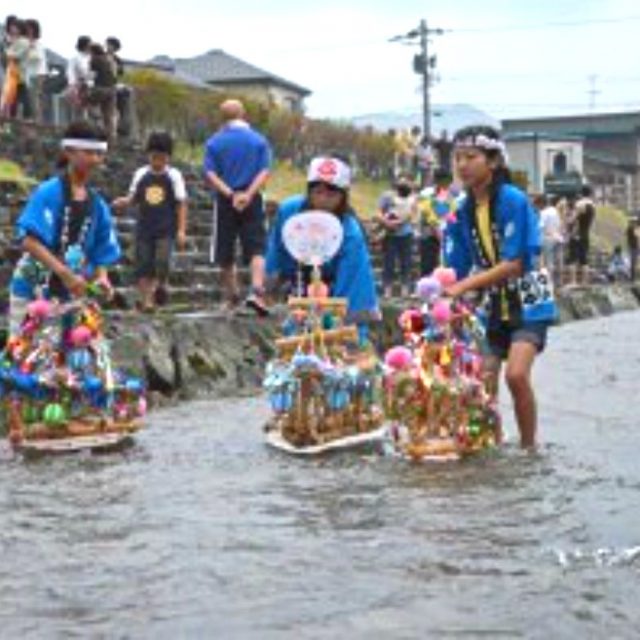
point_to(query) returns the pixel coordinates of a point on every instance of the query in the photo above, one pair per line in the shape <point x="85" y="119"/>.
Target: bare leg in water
<point x="518" y="371"/>
<point x="518" y="376"/>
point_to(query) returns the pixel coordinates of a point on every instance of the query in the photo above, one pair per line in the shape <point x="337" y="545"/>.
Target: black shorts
<point x="229" y="225"/>
<point x="502" y="336"/>
<point x="578" y="251"/>
<point x="153" y="257"/>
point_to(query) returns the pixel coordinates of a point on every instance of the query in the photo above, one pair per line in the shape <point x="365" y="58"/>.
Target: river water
<point x="200" y="531"/>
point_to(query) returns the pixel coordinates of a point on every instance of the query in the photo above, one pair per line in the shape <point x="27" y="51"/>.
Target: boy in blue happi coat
<point x="494" y="246"/>
<point x="65" y="229"/>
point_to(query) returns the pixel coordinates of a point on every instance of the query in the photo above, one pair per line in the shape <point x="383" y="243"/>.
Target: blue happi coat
<point x="42" y="218"/>
<point x="349" y="274"/>
<point x="516" y="235"/>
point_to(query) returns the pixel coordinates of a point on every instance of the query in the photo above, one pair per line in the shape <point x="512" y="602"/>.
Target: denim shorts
<point x="502" y="336"/>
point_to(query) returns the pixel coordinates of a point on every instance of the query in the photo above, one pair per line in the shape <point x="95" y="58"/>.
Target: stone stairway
<point x="194" y="281"/>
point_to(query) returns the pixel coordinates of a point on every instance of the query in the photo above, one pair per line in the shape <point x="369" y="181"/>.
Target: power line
<point x="545" y="25"/>
<point x="459" y="31"/>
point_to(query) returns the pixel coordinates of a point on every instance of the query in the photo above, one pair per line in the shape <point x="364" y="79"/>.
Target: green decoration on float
<point x="54" y="414"/>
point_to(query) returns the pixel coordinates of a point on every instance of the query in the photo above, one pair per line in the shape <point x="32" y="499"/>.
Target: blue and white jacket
<point x="42" y="218"/>
<point x="515" y="235"/>
<point x="349" y="274"/>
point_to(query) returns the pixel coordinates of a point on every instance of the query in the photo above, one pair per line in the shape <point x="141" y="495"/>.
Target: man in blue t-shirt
<point x="236" y="165"/>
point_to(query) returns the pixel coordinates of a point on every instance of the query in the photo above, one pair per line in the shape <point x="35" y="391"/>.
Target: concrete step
<point x="197" y="245"/>
<point x="195" y="226"/>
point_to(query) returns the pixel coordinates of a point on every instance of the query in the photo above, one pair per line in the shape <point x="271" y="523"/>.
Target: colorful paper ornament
<point x="54" y="414"/>
<point x="428" y="288"/>
<point x="80" y="336"/>
<point x="398" y="358"/>
<point x="445" y="276"/>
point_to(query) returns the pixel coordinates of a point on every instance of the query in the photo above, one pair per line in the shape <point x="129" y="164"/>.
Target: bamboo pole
<point x="287" y="346"/>
<point x="338" y="305"/>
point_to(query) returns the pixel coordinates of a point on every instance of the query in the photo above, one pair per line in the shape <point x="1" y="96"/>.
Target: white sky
<point x="339" y="48"/>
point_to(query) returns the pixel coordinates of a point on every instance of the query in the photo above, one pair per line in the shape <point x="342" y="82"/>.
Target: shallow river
<point x="200" y="531"/>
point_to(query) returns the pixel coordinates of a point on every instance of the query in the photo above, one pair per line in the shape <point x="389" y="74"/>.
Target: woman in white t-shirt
<point x="552" y="239"/>
<point x="80" y="78"/>
<point x="35" y="67"/>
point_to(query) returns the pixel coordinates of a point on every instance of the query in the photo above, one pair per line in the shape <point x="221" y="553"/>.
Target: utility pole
<point x="593" y="91"/>
<point x="423" y="65"/>
<point x="426" y="80"/>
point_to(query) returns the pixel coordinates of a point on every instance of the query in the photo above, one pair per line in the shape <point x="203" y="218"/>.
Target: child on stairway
<point x="159" y="191"/>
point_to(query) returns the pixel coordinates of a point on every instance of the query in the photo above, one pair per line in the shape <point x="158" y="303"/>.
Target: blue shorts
<point x="502" y="336"/>
<point x="153" y="257"/>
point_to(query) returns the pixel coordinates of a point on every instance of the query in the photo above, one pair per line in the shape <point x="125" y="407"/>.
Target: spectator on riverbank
<point x="552" y="239"/>
<point x="80" y="78"/>
<point x="581" y="220"/>
<point x="633" y="243"/>
<point x="103" y="92"/>
<point x="36" y="68"/>
<point x="618" y="267"/>
<point x="236" y="165"/>
<point x="113" y="46"/>
<point x="15" y="94"/>
<point x="159" y="191"/>
<point x="7" y="32"/>
<point x="397" y="215"/>
<point x="435" y="206"/>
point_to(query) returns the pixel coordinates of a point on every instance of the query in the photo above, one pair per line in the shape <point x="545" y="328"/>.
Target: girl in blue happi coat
<point x="349" y="274"/>
<point x="494" y="246"/>
<point x="65" y="229"/>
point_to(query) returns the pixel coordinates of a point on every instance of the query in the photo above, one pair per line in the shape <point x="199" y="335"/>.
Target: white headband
<point x="482" y="142"/>
<point x="84" y="145"/>
<point x="331" y="171"/>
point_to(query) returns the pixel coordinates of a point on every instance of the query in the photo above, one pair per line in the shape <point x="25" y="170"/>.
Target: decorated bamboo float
<point x="324" y="385"/>
<point x="58" y="387"/>
<point x="437" y="397"/>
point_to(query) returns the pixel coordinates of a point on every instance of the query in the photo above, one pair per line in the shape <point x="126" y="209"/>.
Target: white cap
<point x="331" y="171"/>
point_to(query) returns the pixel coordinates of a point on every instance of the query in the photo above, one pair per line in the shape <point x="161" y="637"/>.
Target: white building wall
<point x="522" y="158"/>
<point x="536" y="158"/>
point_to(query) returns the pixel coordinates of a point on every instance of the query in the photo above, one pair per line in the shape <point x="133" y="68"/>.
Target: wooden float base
<point x="103" y="442"/>
<point x="432" y="450"/>
<point x="368" y="439"/>
<point x="75" y="435"/>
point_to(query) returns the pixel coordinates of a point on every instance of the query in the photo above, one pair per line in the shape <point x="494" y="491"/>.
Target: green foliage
<point x="192" y="115"/>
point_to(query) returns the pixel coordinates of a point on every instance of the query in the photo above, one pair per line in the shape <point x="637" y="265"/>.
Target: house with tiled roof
<point x="220" y="70"/>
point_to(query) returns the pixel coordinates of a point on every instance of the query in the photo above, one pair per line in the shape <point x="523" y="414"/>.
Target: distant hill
<point x="445" y="116"/>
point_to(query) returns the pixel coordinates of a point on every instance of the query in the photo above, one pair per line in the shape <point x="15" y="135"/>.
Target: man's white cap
<point x="330" y="171"/>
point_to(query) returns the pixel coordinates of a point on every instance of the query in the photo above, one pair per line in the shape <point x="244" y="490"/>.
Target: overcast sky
<point x="507" y="57"/>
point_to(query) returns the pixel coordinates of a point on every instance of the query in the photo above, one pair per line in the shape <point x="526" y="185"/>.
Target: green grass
<point x="286" y="180"/>
<point x="609" y="228"/>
